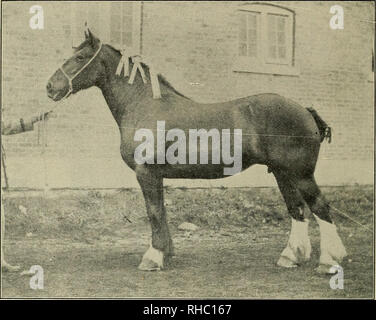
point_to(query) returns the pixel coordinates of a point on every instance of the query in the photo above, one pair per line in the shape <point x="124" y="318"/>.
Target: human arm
<point x="21" y="125"/>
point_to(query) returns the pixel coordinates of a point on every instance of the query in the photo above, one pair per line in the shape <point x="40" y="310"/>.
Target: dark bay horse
<point x="276" y="132"/>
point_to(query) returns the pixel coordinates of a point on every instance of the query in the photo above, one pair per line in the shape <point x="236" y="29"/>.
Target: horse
<point x="276" y="132"/>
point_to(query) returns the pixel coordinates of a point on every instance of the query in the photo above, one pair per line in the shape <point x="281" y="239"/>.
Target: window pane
<point x="115" y="23"/>
<point x="281" y="38"/>
<point x="277" y="36"/>
<point x="115" y="8"/>
<point x="93" y="20"/>
<point x="252" y="43"/>
<point x="272" y="36"/>
<point x="243" y="28"/>
<point x="127" y="16"/>
<point x="127" y="7"/>
<point x="252" y="51"/>
<point x="282" y="52"/>
<point x="271" y="23"/>
<point x="115" y="37"/>
<point x="248" y="34"/>
<point x="252" y="21"/>
<point x="273" y="52"/>
<point x="121" y="24"/>
<point x="127" y="23"/>
<point x="242" y="49"/>
<point x="281" y="23"/>
<point x="252" y="34"/>
<point x="127" y="38"/>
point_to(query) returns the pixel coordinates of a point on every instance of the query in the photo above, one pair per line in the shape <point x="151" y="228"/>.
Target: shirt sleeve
<point x="14" y="127"/>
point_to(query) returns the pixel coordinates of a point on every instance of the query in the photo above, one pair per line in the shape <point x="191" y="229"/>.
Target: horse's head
<point x="83" y="70"/>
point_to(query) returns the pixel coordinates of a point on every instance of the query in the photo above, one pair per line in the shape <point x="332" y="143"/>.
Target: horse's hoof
<point x="148" y="265"/>
<point x="152" y="260"/>
<point x="286" y="262"/>
<point x="326" y="269"/>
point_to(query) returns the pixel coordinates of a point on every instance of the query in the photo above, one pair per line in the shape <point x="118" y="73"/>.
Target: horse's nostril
<point x="48" y="86"/>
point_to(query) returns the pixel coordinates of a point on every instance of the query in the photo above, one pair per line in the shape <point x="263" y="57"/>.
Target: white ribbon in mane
<point x="137" y="59"/>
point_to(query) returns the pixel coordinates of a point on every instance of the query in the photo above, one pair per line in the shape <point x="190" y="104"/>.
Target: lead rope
<point x="3" y="157"/>
<point x="43" y="126"/>
<point x="42" y="141"/>
<point x="44" y="145"/>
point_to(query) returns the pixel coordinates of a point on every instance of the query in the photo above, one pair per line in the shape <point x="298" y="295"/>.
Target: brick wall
<point x="334" y="64"/>
<point x="194" y="44"/>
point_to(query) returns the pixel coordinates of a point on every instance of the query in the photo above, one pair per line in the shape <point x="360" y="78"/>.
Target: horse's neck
<point x="118" y="93"/>
<point x="118" y="96"/>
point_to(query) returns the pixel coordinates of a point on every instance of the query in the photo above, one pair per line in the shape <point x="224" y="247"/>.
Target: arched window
<point x="265" y="38"/>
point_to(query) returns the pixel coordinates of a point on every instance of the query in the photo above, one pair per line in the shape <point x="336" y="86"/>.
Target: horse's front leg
<point x="160" y="248"/>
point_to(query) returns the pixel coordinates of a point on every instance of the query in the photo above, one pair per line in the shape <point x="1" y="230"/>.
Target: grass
<point x="82" y="237"/>
<point x="95" y="214"/>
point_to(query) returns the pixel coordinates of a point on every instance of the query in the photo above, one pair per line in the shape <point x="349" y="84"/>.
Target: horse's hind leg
<point x="161" y="244"/>
<point x="332" y="249"/>
<point x="298" y="248"/>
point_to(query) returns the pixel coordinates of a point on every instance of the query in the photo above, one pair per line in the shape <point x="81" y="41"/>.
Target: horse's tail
<point x="324" y="129"/>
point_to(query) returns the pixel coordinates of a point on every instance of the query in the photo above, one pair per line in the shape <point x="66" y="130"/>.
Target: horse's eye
<point x="80" y="58"/>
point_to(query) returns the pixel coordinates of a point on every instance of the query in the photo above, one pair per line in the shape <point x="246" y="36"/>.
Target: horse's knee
<point x="142" y="172"/>
<point x="297" y="212"/>
<point x="313" y="197"/>
<point x="309" y="190"/>
<point x="321" y="208"/>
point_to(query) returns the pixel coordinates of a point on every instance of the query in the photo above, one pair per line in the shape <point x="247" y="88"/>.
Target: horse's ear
<point x="86" y="31"/>
<point x="92" y="38"/>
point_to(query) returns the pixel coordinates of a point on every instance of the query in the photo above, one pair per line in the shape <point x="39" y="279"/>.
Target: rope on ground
<point x="352" y="219"/>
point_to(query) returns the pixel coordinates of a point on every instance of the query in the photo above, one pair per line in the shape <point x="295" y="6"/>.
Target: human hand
<point x="42" y="116"/>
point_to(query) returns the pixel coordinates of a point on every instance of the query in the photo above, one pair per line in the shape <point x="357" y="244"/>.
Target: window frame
<point x="136" y="25"/>
<point x="371" y="74"/>
<point x="258" y="35"/>
<point x="288" y="60"/>
<point x="263" y="63"/>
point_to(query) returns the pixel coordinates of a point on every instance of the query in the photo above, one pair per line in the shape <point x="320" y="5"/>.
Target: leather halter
<point x="71" y="78"/>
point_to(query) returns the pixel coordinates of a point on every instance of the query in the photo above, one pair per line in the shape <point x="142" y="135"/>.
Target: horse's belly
<point x="198" y="171"/>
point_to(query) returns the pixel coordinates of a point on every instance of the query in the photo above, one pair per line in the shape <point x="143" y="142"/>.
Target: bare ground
<point x="90" y="245"/>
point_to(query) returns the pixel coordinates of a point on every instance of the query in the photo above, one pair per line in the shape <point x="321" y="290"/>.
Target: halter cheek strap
<point x="70" y="79"/>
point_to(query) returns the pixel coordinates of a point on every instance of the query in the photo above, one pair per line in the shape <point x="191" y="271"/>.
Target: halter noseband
<point x="70" y="79"/>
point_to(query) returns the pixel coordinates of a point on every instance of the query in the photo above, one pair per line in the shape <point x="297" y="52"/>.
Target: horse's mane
<point x="161" y="78"/>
